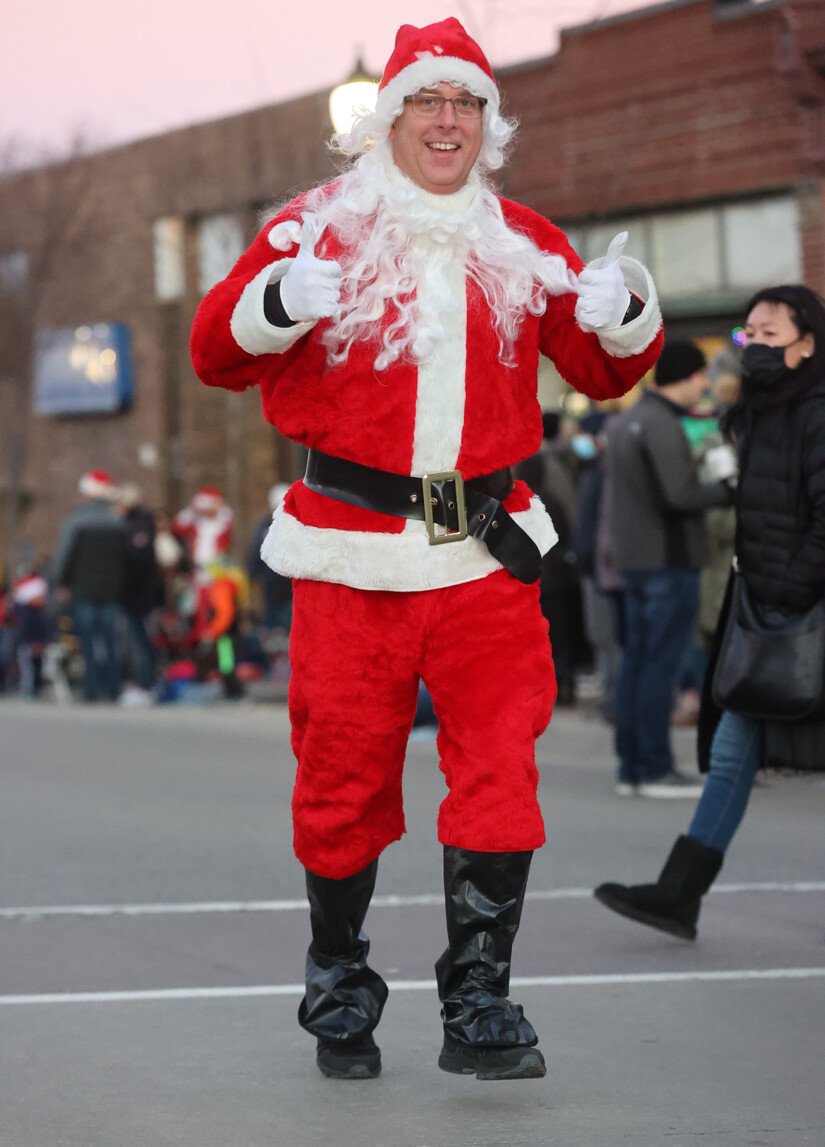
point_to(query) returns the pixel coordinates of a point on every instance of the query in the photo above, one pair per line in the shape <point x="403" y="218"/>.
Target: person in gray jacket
<point x="656" y="508"/>
<point x="89" y="567"/>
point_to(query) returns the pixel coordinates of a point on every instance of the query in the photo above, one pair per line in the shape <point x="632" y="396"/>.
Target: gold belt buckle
<point x="460" y="506"/>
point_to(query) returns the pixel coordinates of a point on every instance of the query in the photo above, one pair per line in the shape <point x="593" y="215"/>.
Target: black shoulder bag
<point x="770" y="667"/>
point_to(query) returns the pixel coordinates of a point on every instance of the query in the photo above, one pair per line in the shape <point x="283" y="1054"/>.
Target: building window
<point x="710" y="257"/>
<point x="220" y="245"/>
<point x="14" y="272"/>
<point x="170" y="258"/>
<point x="685" y="253"/>
<point x="763" y="244"/>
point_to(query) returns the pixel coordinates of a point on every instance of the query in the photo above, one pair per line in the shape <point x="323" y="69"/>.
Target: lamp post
<point x="347" y="99"/>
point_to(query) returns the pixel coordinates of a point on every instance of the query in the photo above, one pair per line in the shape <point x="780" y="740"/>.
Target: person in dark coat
<point x="89" y="568"/>
<point x="143" y="587"/>
<point x="552" y="473"/>
<point x="276" y="590"/>
<point x="778" y="426"/>
<point x="656" y="504"/>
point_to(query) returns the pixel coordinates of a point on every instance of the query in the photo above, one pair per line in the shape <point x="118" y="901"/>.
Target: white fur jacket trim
<point x="403" y="562"/>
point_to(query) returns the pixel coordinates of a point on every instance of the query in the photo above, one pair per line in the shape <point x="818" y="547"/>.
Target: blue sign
<point x="85" y="370"/>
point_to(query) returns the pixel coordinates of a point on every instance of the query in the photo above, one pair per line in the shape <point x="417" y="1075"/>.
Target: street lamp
<point x="348" y="99"/>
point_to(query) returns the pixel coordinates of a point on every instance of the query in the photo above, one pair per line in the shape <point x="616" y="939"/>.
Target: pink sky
<point x="120" y="70"/>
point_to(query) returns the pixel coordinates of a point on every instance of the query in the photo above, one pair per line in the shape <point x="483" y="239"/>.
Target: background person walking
<point x="779" y="427"/>
<point x="89" y="567"/>
<point x="656" y="514"/>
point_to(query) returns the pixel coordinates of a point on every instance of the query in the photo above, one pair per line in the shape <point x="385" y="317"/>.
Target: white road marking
<point x="297" y="990"/>
<point x="426" y="899"/>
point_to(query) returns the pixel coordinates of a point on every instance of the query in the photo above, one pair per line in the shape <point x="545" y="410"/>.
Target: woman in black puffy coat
<point x="778" y="427"/>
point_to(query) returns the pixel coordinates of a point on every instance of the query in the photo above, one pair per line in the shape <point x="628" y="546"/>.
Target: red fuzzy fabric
<point x="483" y="651"/>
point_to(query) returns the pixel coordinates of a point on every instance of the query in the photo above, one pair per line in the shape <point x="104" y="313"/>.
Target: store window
<point x="715" y="255"/>
<point x="220" y="245"/>
<point x="170" y="258"/>
<point x="14" y="272"/>
<point x="762" y="242"/>
<point x="686" y="253"/>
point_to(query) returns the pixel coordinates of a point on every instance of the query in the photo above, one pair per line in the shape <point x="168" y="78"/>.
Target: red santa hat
<point x="207" y="498"/>
<point x="97" y="484"/>
<point x="439" y="53"/>
<point x="30" y="590"/>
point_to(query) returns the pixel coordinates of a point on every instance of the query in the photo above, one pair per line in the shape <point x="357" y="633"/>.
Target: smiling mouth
<point x="443" y="146"/>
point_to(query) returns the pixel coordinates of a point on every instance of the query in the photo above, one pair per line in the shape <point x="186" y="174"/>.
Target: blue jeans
<point x="660" y="608"/>
<point x="96" y="627"/>
<point x="141" y="651"/>
<point x="734" y="762"/>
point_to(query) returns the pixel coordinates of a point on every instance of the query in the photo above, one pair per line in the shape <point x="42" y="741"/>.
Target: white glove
<point x="311" y="288"/>
<point x="603" y="296"/>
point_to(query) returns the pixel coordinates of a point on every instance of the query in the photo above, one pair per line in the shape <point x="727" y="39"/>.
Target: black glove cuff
<point x="633" y="311"/>
<point x="274" y="310"/>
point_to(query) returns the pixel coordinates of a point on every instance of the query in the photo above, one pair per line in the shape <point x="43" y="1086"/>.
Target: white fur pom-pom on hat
<point x="97" y="484"/>
<point x="438" y="53"/>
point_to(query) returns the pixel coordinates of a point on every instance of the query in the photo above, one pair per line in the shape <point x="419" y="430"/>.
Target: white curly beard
<point x="394" y="234"/>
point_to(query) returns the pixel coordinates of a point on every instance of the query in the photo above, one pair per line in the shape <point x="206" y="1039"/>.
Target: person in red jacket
<point x="393" y="320"/>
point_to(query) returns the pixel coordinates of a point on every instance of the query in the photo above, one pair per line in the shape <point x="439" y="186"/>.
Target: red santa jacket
<point x="462" y="408"/>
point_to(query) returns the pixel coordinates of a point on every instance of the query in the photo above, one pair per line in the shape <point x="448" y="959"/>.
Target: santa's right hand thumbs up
<point x="311" y="288"/>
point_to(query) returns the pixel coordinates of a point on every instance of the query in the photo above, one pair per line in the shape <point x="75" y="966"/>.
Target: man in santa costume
<point x="205" y="527"/>
<point x="393" y="320"/>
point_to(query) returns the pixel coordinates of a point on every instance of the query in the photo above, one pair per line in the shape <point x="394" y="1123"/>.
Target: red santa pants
<point x="483" y="652"/>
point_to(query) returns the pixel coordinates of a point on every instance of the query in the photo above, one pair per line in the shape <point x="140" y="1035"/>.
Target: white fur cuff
<point x="637" y="335"/>
<point x="427" y="72"/>
<point x="248" y="324"/>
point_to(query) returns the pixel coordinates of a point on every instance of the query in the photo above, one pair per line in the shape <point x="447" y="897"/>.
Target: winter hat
<point x="97" y="484"/>
<point x="30" y="590"/>
<point x="207" y="498"/>
<point x="593" y="423"/>
<point x="439" y="53"/>
<point x="679" y="360"/>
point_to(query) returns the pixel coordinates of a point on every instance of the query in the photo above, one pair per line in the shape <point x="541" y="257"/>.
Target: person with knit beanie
<point x="655" y="505"/>
<point x="393" y="319"/>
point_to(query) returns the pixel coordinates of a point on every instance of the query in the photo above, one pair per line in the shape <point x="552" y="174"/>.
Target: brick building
<point x="698" y="125"/>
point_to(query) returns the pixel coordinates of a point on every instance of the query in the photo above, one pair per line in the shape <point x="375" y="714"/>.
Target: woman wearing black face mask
<point x="778" y="426"/>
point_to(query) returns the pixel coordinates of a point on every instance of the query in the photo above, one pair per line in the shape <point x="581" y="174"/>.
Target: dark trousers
<point x="660" y="609"/>
<point x="96" y="627"/>
<point x="141" y="650"/>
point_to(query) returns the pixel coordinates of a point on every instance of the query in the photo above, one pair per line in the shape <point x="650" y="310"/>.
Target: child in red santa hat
<point x="393" y="320"/>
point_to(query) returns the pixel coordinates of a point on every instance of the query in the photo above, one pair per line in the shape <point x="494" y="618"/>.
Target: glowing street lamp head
<point x="348" y="100"/>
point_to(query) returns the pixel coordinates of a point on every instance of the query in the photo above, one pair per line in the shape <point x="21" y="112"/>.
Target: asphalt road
<point x="152" y="931"/>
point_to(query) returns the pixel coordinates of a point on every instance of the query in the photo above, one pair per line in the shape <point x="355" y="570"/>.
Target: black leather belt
<point x="464" y="509"/>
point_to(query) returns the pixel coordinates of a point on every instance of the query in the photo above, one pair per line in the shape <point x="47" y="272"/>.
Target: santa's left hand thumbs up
<point x="603" y="297"/>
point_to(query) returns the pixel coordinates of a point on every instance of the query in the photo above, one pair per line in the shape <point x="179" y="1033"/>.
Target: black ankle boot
<point x="672" y="903"/>
<point x="344" y="997"/>
<point x="484" y="1033"/>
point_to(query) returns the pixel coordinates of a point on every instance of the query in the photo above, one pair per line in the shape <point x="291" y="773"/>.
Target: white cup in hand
<point x="721" y="463"/>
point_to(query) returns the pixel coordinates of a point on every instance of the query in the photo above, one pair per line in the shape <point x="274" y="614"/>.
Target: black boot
<point x="344" y="997"/>
<point x="484" y="1033"/>
<point x="672" y="903"/>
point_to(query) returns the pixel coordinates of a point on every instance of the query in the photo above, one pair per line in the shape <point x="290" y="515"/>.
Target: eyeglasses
<point x="429" y="105"/>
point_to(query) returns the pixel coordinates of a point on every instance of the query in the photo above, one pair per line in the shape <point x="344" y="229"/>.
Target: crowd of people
<point x="641" y="500"/>
<point x="633" y="588"/>
<point x="134" y="609"/>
